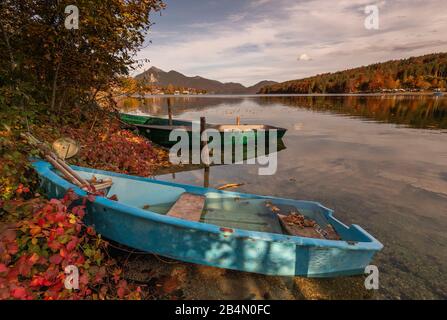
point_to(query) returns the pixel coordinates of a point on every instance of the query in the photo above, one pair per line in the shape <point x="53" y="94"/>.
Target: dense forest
<point x="428" y="72"/>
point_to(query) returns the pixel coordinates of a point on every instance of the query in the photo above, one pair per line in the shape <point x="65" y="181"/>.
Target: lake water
<point x="378" y="161"/>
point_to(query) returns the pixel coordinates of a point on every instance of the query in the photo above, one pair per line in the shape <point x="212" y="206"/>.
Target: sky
<point x="248" y="41"/>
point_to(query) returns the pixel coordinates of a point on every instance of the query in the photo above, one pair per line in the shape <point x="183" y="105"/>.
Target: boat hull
<point x="206" y="244"/>
<point x="161" y="137"/>
<point x="158" y="130"/>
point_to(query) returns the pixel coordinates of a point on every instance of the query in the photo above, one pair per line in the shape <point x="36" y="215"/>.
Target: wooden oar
<point x="73" y="173"/>
<point x="66" y="173"/>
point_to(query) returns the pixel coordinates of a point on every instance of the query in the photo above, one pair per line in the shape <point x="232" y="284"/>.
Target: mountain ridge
<point x="159" y="77"/>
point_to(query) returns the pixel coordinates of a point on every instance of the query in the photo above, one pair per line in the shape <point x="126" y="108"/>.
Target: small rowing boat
<point x="159" y="129"/>
<point x="230" y="230"/>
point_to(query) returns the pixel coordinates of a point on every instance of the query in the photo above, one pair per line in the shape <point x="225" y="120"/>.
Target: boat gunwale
<point x="267" y="127"/>
<point x="45" y="169"/>
<point x="188" y="128"/>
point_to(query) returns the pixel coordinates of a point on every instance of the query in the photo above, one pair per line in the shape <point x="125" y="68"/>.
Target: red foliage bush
<point x="121" y="151"/>
<point x="35" y="252"/>
<point x="108" y="147"/>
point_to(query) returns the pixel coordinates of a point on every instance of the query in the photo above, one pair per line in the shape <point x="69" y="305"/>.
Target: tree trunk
<point x="53" y="94"/>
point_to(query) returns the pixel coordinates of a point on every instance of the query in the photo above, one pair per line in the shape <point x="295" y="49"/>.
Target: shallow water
<point x="380" y="162"/>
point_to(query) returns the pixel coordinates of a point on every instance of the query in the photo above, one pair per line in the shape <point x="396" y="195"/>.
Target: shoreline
<point x="136" y="96"/>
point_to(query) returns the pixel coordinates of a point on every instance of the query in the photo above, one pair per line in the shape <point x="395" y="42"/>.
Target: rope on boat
<point x="141" y="253"/>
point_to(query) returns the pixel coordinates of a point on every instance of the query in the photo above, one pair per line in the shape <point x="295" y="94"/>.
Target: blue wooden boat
<point x="234" y="230"/>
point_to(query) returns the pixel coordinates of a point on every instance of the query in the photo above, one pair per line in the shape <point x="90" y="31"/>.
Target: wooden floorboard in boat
<point x="188" y="207"/>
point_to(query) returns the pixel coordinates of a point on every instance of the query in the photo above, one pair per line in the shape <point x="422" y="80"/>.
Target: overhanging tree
<point x="42" y="60"/>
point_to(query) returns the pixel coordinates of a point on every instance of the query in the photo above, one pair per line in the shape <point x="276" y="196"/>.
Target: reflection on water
<point x="390" y="179"/>
<point x="414" y="111"/>
<point x="418" y="111"/>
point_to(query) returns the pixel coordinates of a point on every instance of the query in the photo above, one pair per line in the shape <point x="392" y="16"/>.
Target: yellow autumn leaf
<point x="72" y="218"/>
<point x="35" y="230"/>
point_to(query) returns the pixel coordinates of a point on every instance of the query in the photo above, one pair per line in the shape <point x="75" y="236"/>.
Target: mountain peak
<point x="154" y="69"/>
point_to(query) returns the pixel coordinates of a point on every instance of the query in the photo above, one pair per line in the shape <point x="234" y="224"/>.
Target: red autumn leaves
<point x="122" y="151"/>
<point x="110" y="148"/>
<point x="34" y="253"/>
<point x="22" y="189"/>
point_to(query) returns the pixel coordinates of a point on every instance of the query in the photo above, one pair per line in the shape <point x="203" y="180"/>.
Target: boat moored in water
<point x="158" y="129"/>
<point x="217" y="228"/>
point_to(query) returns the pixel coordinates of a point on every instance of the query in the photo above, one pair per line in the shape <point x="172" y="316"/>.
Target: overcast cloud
<point x="252" y="40"/>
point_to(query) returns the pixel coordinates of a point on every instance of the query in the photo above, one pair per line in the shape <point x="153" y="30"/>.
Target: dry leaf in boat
<point x="309" y="223"/>
<point x="331" y="234"/>
<point x="271" y="206"/>
<point x="274" y="208"/>
<point x="230" y="185"/>
<point x="113" y="197"/>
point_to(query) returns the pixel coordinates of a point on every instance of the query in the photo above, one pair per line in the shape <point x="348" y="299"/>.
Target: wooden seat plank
<point x="188" y="207"/>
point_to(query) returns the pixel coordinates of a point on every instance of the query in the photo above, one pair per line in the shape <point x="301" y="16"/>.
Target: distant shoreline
<point x="283" y="95"/>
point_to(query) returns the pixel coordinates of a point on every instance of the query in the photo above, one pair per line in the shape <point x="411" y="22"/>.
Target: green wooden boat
<point x="158" y="129"/>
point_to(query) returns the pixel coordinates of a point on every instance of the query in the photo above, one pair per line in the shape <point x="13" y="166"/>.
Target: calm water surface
<point x="380" y="162"/>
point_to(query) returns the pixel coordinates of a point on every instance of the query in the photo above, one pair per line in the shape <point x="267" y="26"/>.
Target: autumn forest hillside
<point x="428" y="72"/>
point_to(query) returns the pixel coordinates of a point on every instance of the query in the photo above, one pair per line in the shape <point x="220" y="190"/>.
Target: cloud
<point x="249" y="44"/>
<point x="255" y="3"/>
<point x="304" y="57"/>
<point x="236" y="17"/>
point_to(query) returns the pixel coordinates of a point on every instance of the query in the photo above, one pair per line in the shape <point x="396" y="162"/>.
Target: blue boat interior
<point x="224" y="209"/>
